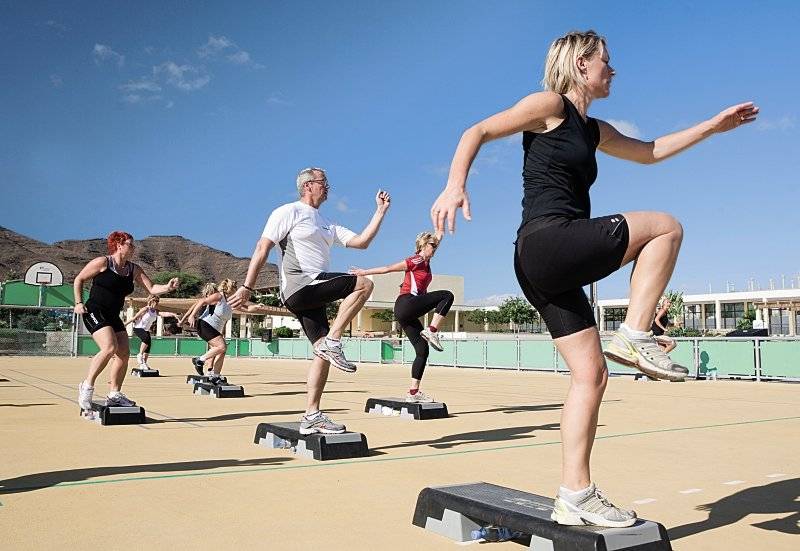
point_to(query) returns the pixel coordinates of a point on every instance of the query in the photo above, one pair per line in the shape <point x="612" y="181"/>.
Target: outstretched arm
<point x="619" y="145"/>
<point x="363" y="239"/>
<point x="153" y="288"/>
<point x="260" y="255"/>
<point x="137" y="316"/>
<point x="530" y="113"/>
<point x="398" y="267"/>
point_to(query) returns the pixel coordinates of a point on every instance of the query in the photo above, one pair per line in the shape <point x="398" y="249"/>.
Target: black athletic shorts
<point x="143" y="335"/>
<point x="206" y="332"/>
<point x="556" y="257"/>
<point x="308" y="303"/>
<point x="95" y="319"/>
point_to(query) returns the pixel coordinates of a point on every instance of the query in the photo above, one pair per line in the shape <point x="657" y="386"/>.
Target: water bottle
<point x="495" y="533"/>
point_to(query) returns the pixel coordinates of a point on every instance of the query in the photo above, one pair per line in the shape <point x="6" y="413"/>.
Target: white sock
<point x="574" y="495"/>
<point x="333" y="342"/>
<point x="312" y="415"/>
<point x="633" y="333"/>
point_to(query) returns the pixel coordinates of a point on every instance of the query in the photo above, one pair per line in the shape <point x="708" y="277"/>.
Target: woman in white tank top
<point x="142" y="322"/>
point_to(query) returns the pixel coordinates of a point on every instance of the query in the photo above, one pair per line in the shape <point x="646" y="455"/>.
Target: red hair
<point x="117" y="238"/>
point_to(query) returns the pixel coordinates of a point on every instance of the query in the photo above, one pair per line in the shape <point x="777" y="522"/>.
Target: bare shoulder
<point x="547" y="102"/>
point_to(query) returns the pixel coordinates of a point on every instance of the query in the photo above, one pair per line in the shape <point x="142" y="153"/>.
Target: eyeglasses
<point x="323" y="181"/>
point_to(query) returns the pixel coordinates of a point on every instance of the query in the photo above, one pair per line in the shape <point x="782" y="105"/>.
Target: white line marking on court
<point x="733" y="482"/>
<point x="775" y="475"/>
<point x="691" y="491"/>
<point x="644" y="501"/>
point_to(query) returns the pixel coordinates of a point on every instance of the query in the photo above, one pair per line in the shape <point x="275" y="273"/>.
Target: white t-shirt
<point x="304" y="238"/>
<point x="147" y="319"/>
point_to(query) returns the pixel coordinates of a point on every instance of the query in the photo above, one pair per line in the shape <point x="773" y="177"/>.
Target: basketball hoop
<point x="44" y="274"/>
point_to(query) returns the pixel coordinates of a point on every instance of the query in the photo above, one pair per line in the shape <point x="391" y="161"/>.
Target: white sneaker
<point x="591" y="508"/>
<point x="144" y="366"/>
<point x="85" y="393"/>
<point x="117" y="398"/>
<point x="419" y="397"/>
<point x="139" y="359"/>
<point x="433" y="339"/>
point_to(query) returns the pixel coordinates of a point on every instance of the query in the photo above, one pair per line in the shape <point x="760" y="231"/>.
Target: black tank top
<point x="559" y="168"/>
<point x="109" y="288"/>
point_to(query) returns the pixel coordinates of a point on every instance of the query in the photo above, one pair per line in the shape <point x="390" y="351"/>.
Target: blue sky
<point x="193" y="118"/>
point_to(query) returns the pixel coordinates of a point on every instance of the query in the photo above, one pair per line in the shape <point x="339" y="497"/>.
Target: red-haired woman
<point x="112" y="280"/>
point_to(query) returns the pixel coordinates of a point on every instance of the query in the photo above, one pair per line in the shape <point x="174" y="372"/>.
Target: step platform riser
<point x="455" y="511"/>
<point x="398" y="407"/>
<point x="322" y="447"/>
<point x="115" y="415"/>
<point x="194" y="379"/>
<point x="218" y="391"/>
<point x="145" y="372"/>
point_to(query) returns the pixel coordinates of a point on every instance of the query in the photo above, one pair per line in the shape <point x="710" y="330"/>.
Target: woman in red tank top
<point x="415" y="301"/>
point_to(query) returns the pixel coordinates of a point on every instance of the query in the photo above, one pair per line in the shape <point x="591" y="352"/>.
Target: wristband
<point x="248" y="288"/>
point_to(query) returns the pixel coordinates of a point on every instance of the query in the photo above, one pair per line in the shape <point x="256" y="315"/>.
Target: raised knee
<point x="366" y="284"/>
<point x="676" y="229"/>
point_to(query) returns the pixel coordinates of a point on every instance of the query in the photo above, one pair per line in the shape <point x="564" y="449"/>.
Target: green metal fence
<point x="720" y="357"/>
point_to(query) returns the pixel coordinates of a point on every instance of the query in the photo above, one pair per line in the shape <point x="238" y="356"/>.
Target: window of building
<point x="779" y="321"/>
<point x="691" y="316"/>
<point x="711" y="319"/>
<point x="731" y="314"/>
<point x="614" y="318"/>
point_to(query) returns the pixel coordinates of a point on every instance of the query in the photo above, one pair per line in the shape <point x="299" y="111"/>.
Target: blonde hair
<point x="424" y="238"/>
<point x="227" y="286"/>
<point x="560" y="68"/>
<point x="152" y="298"/>
<point x="209" y="289"/>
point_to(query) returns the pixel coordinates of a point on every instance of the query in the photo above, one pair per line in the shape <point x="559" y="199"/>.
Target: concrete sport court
<point x="716" y="462"/>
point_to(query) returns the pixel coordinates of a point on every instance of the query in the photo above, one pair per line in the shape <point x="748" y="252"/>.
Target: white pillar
<point x="425" y="323"/>
<point x="457" y="328"/>
<point x="758" y="314"/>
<point x="792" y="321"/>
<point x="242" y="326"/>
<point x="765" y="317"/>
<point x="602" y="322"/>
<point x="394" y="327"/>
<point x="359" y="320"/>
<point x="229" y="329"/>
<point x="718" y="315"/>
<point x="159" y="326"/>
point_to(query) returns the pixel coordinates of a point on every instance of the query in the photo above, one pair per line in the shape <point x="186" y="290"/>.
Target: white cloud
<point x="103" y="53"/>
<point x="342" y="206"/>
<point x="492" y="300"/>
<point x="240" y="58"/>
<point x="184" y="77"/>
<point x="56" y="81"/>
<point x="784" y="123"/>
<point x="135" y="99"/>
<point x="57" y="26"/>
<point x="217" y="45"/>
<point x="144" y="84"/>
<point x="626" y="127"/>
<point x="278" y="99"/>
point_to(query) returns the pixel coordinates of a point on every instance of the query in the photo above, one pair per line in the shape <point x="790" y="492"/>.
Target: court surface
<point x="718" y="463"/>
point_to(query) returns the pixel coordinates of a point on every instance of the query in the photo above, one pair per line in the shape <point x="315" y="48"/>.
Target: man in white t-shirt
<point x="304" y="238"/>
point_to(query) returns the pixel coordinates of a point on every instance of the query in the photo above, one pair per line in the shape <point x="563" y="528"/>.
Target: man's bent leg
<point x="350" y="306"/>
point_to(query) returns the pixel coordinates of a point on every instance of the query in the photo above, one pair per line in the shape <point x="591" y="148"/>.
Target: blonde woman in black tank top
<point x="560" y="248"/>
<point x="113" y="278"/>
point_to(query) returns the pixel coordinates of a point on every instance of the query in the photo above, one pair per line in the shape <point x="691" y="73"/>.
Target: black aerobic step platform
<point x="114" y="415"/>
<point x="454" y="511"/>
<point x="144" y="372"/>
<point x="194" y="379"/>
<point x="321" y="447"/>
<point x="406" y="410"/>
<point x="219" y="391"/>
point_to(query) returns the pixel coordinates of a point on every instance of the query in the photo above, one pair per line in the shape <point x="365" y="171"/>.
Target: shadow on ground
<point x="477" y="437"/>
<point x="23" y="405"/>
<point x="777" y="498"/>
<point x="37" y="481"/>
<point x="513" y="409"/>
<point x="231" y="416"/>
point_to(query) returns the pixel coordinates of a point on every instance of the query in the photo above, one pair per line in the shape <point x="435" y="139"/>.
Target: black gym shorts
<point x="95" y="319"/>
<point x="144" y="336"/>
<point x="556" y="257"/>
<point x="206" y="332"/>
<point x="308" y="303"/>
